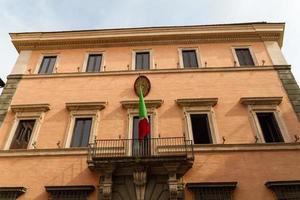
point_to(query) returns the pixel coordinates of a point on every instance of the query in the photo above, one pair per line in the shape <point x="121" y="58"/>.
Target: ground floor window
<point x="285" y="190"/>
<point x="212" y="191"/>
<point x="69" y="192"/>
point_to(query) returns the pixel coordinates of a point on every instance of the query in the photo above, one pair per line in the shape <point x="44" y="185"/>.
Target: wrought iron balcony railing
<point x="152" y="148"/>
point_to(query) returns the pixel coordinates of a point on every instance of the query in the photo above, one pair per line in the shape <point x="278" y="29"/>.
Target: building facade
<point x="223" y="106"/>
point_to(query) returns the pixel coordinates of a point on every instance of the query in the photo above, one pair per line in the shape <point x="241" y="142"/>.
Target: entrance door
<point x="140" y="147"/>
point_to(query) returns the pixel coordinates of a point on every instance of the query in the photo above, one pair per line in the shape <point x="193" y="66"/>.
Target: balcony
<point x="152" y="152"/>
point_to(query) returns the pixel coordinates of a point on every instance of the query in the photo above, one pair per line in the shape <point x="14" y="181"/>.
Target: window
<point x="24" y="130"/>
<point x="47" y="65"/>
<point x="266" y="118"/>
<point x="11" y="193"/>
<point x="81" y="133"/>
<point x="23" y="134"/>
<point x="212" y="191"/>
<point x="200" y="128"/>
<point x="76" y="192"/>
<point x="269" y="127"/>
<point x="94" y="63"/>
<point x="83" y="123"/>
<point x="244" y="56"/>
<point x="189" y="59"/>
<point x="200" y="119"/>
<point x="142" y="60"/>
<point x="285" y="190"/>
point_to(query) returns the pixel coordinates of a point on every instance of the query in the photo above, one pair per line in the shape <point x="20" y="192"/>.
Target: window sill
<point x="44" y="152"/>
<point x="246" y="147"/>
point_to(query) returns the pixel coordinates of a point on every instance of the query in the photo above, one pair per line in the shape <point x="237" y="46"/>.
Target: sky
<point x="57" y="15"/>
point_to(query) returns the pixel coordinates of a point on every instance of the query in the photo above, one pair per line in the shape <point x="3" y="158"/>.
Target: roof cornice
<point x="148" y="36"/>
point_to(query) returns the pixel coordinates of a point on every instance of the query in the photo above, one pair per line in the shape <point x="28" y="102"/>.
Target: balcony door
<point x="140" y="147"/>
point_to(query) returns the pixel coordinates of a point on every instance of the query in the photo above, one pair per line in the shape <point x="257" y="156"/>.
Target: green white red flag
<point x="144" y="126"/>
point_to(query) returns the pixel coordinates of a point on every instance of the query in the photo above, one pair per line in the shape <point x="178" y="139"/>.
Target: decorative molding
<point x="231" y="185"/>
<point x="149" y="35"/>
<point x="197" y="149"/>
<point x="191" y="102"/>
<point x="270" y="184"/>
<point x="30" y="108"/>
<point x="132" y="104"/>
<point x="246" y="147"/>
<point x="260" y="100"/>
<point x="140" y="180"/>
<point x="44" y="152"/>
<point x="86" y="106"/>
<point x="88" y="188"/>
<point x="152" y="71"/>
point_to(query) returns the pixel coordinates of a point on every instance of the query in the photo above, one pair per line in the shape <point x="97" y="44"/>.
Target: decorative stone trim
<point x="86" y="106"/>
<point x="11" y="192"/>
<point x="260" y="100"/>
<point x="290" y="85"/>
<point x="30" y="108"/>
<point x="132" y="104"/>
<point x="7" y="95"/>
<point x="197" y="102"/>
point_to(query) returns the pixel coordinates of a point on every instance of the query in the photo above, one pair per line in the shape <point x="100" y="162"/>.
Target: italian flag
<point x="144" y="127"/>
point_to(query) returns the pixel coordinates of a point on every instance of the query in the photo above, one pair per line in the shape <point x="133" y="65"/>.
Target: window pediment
<point x="30" y="108"/>
<point x="192" y="102"/>
<point x="86" y="106"/>
<point x="134" y="104"/>
<point x="260" y="100"/>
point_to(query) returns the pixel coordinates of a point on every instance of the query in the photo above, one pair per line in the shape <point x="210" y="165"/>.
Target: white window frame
<point x="86" y="58"/>
<point x="211" y="119"/>
<point x="133" y="57"/>
<point x="94" y="114"/>
<point x="253" y="109"/>
<point x="235" y="58"/>
<point x="37" y="68"/>
<point x="37" y="116"/>
<point x="196" y="49"/>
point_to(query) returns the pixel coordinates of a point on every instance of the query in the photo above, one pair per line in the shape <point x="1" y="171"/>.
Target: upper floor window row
<point x="142" y="60"/>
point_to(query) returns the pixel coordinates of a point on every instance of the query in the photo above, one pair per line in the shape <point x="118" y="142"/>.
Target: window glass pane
<point x="201" y="129"/>
<point x="244" y="56"/>
<point x="47" y="65"/>
<point x="269" y="127"/>
<point x="86" y="132"/>
<point x="189" y="58"/>
<point x="90" y="65"/>
<point x="23" y="134"/>
<point x="142" y="60"/>
<point x="94" y="63"/>
<point x="146" y="61"/>
<point x="81" y="133"/>
<point x="51" y="65"/>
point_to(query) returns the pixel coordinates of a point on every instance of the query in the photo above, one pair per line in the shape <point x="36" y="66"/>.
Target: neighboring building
<point x="223" y="106"/>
